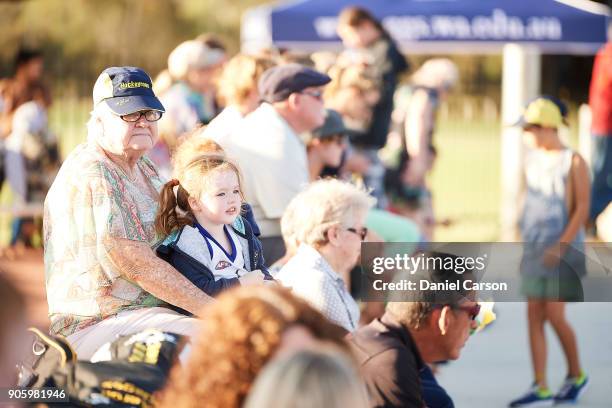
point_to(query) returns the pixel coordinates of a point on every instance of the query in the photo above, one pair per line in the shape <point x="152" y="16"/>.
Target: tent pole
<point x="520" y="82"/>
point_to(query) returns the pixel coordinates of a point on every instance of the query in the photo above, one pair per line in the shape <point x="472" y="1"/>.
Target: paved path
<point x="28" y="274"/>
<point x="495" y="367"/>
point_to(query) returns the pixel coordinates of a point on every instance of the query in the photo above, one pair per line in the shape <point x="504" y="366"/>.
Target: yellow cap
<point x="542" y="112"/>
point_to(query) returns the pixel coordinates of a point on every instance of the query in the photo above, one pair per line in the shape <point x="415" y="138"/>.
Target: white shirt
<point x="273" y="161"/>
<point x="312" y="278"/>
<point x="223" y="125"/>
<point x="209" y="252"/>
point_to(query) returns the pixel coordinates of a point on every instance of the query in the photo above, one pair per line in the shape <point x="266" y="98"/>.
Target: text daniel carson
<point x="424" y="284"/>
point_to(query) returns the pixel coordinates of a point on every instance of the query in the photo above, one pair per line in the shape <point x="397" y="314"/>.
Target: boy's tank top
<point x="546" y="214"/>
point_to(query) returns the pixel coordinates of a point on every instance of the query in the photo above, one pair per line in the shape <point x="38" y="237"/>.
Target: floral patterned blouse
<point x="90" y="204"/>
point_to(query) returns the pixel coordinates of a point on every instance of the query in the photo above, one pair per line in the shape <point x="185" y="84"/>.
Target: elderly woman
<point x="329" y="218"/>
<point x="103" y="279"/>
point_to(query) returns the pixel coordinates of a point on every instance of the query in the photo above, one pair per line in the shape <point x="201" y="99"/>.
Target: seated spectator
<point x="13" y="323"/>
<point x="190" y="100"/>
<point x="237" y="91"/>
<point x="393" y="350"/>
<point x="242" y="331"/>
<point x="25" y="143"/>
<point x="268" y="147"/>
<point x="316" y="379"/>
<point x="325" y="146"/>
<point x="207" y="239"/>
<point x="194" y="145"/>
<point x="103" y="278"/>
<point x="328" y="222"/>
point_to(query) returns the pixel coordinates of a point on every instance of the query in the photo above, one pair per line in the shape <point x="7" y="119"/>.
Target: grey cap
<point x="333" y="125"/>
<point x="277" y="83"/>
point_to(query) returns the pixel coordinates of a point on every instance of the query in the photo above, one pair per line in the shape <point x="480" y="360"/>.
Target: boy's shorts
<point x="565" y="289"/>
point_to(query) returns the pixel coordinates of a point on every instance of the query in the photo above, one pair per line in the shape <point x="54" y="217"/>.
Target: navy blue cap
<point x="277" y="83"/>
<point x="126" y="90"/>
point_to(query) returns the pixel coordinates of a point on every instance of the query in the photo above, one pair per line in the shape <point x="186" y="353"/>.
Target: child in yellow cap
<point x="555" y="211"/>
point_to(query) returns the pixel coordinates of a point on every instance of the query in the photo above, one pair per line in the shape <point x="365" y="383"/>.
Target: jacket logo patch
<point x="222" y="265"/>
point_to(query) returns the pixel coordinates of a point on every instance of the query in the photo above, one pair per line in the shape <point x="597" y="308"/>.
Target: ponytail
<point x="167" y="218"/>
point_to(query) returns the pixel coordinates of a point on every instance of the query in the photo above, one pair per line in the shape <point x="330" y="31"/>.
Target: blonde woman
<point x="237" y="91"/>
<point x="309" y="379"/>
<point x="328" y="222"/>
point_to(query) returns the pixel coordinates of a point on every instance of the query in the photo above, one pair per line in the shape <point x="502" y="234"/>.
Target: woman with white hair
<point x="102" y="276"/>
<point x="328" y="222"/>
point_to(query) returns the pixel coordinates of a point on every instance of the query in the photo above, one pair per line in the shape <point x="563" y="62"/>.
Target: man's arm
<point x="138" y="263"/>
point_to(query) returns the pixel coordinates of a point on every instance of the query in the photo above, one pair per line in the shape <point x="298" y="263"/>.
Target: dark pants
<point x="601" y="163"/>
<point x="273" y="249"/>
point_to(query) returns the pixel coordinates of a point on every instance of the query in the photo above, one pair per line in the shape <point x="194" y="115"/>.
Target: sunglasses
<point x="150" y="116"/>
<point x="472" y="310"/>
<point x="362" y="234"/>
<point x="315" y="94"/>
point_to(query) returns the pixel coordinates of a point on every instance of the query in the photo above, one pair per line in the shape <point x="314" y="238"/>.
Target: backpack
<point x="126" y="372"/>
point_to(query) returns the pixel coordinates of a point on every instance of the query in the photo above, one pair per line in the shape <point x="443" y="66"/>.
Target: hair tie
<point x="174" y="182"/>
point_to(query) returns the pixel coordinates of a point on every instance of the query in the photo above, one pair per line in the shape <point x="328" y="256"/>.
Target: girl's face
<point x="220" y="201"/>
<point x="331" y="150"/>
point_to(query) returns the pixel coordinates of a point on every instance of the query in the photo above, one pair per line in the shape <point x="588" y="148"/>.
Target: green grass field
<point x="464" y="181"/>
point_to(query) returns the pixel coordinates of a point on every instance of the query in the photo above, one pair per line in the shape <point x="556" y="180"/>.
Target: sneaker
<point x="535" y="397"/>
<point x="571" y="389"/>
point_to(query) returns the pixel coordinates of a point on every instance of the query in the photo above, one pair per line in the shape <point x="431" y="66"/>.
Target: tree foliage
<point x="80" y="37"/>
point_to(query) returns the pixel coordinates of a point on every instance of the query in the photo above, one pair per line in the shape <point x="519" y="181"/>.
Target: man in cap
<point x="102" y="277"/>
<point x="268" y="147"/>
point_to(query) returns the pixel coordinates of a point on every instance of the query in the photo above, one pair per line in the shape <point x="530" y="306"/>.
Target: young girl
<point x="552" y="228"/>
<point x="208" y="240"/>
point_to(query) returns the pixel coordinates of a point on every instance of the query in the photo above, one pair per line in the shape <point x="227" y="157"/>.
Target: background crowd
<point x="227" y="200"/>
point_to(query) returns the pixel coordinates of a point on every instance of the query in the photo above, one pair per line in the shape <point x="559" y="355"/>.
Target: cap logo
<point x="131" y="84"/>
<point x="121" y="102"/>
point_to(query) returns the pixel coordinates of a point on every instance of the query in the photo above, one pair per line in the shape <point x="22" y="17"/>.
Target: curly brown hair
<point x="239" y="334"/>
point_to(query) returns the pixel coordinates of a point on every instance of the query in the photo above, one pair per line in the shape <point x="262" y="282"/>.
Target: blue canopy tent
<point x="429" y="26"/>
<point x="520" y="29"/>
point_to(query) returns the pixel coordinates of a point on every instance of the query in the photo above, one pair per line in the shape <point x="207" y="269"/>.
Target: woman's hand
<point x="255" y="277"/>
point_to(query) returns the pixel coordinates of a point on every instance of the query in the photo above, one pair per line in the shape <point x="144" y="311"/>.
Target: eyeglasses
<point x="150" y="116"/>
<point x="318" y="95"/>
<point x="362" y="234"/>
